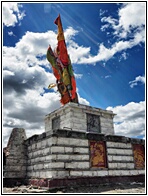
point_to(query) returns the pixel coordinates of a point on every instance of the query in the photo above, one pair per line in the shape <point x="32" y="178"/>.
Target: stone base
<point x="78" y="117"/>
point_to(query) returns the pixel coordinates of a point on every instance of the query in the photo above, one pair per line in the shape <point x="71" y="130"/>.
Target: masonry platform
<point x="78" y="147"/>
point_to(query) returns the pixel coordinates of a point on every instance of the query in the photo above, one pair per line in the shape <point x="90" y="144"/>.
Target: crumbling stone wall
<point x="17" y="158"/>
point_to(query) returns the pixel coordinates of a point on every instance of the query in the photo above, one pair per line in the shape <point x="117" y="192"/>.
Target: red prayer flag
<point x="57" y="19"/>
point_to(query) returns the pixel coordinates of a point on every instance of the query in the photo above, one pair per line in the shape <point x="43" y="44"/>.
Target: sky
<point x="106" y="44"/>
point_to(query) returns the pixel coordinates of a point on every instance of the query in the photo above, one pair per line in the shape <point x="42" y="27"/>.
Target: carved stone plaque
<point x="139" y="155"/>
<point x="93" y="123"/>
<point x="56" y="122"/>
<point x="98" y="154"/>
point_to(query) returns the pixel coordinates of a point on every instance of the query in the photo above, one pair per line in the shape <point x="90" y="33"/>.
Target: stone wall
<point x="66" y="154"/>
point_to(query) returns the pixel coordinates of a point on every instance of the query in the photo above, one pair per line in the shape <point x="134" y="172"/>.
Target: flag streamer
<point x="62" y="67"/>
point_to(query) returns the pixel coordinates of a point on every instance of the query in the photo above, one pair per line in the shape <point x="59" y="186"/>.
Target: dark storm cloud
<point x="12" y="83"/>
<point x="21" y="81"/>
<point x="29" y="113"/>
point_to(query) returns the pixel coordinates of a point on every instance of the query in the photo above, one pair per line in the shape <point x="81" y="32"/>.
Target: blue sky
<point x="106" y="44"/>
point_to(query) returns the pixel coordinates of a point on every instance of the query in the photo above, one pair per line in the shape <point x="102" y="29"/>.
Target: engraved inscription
<point x="93" y="123"/>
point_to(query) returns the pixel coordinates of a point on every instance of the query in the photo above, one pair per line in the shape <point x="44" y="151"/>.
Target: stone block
<point x="125" y="172"/>
<point x="114" y="173"/>
<point x="35" y="153"/>
<point x="37" y="174"/>
<point x="78" y="142"/>
<point x="121" y="165"/>
<point x="76" y="173"/>
<point x="79" y="126"/>
<point x="43" y="143"/>
<point x="45" y="151"/>
<point x="116" y="151"/>
<point x="118" y="158"/>
<point x="87" y="173"/>
<point x="63" y="141"/>
<point x="30" y="155"/>
<point x="32" y="161"/>
<point x="110" y="158"/>
<point x="118" y="145"/>
<point x="42" y="159"/>
<point x="39" y="144"/>
<point x="50" y="157"/>
<point x="49" y="174"/>
<point x="42" y="174"/>
<point x="102" y="173"/>
<point x="130" y="165"/>
<point x="112" y="165"/>
<point x="133" y="172"/>
<point x="141" y="171"/>
<point x="68" y="149"/>
<point x="57" y="149"/>
<point x="40" y="166"/>
<point x="34" y="146"/>
<point x="76" y="157"/>
<point x="29" y="148"/>
<point x="63" y="157"/>
<point x="107" y="130"/>
<point x="129" y="158"/>
<point x="77" y="165"/>
<point x="51" y="141"/>
<point x="56" y="165"/>
<point x="81" y="150"/>
<point x="62" y="174"/>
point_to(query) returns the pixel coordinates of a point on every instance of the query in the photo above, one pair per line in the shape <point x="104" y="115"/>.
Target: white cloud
<point x="108" y="76"/>
<point x="77" y="53"/>
<point x="105" y="54"/>
<point x="11" y="13"/>
<point x="131" y="19"/>
<point x="138" y="79"/>
<point x="130" y="119"/>
<point x="78" y="76"/>
<point x="11" y="33"/>
<point x="129" y="14"/>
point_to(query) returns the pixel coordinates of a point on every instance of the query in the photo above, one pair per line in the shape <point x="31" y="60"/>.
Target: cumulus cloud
<point x="12" y="13"/>
<point x="131" y="20"/>
<point x="130" y="119"/>
<point x="138" y="79"/>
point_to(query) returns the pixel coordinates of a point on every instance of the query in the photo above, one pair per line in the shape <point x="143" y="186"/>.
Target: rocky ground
<point x="134" y="187"/>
